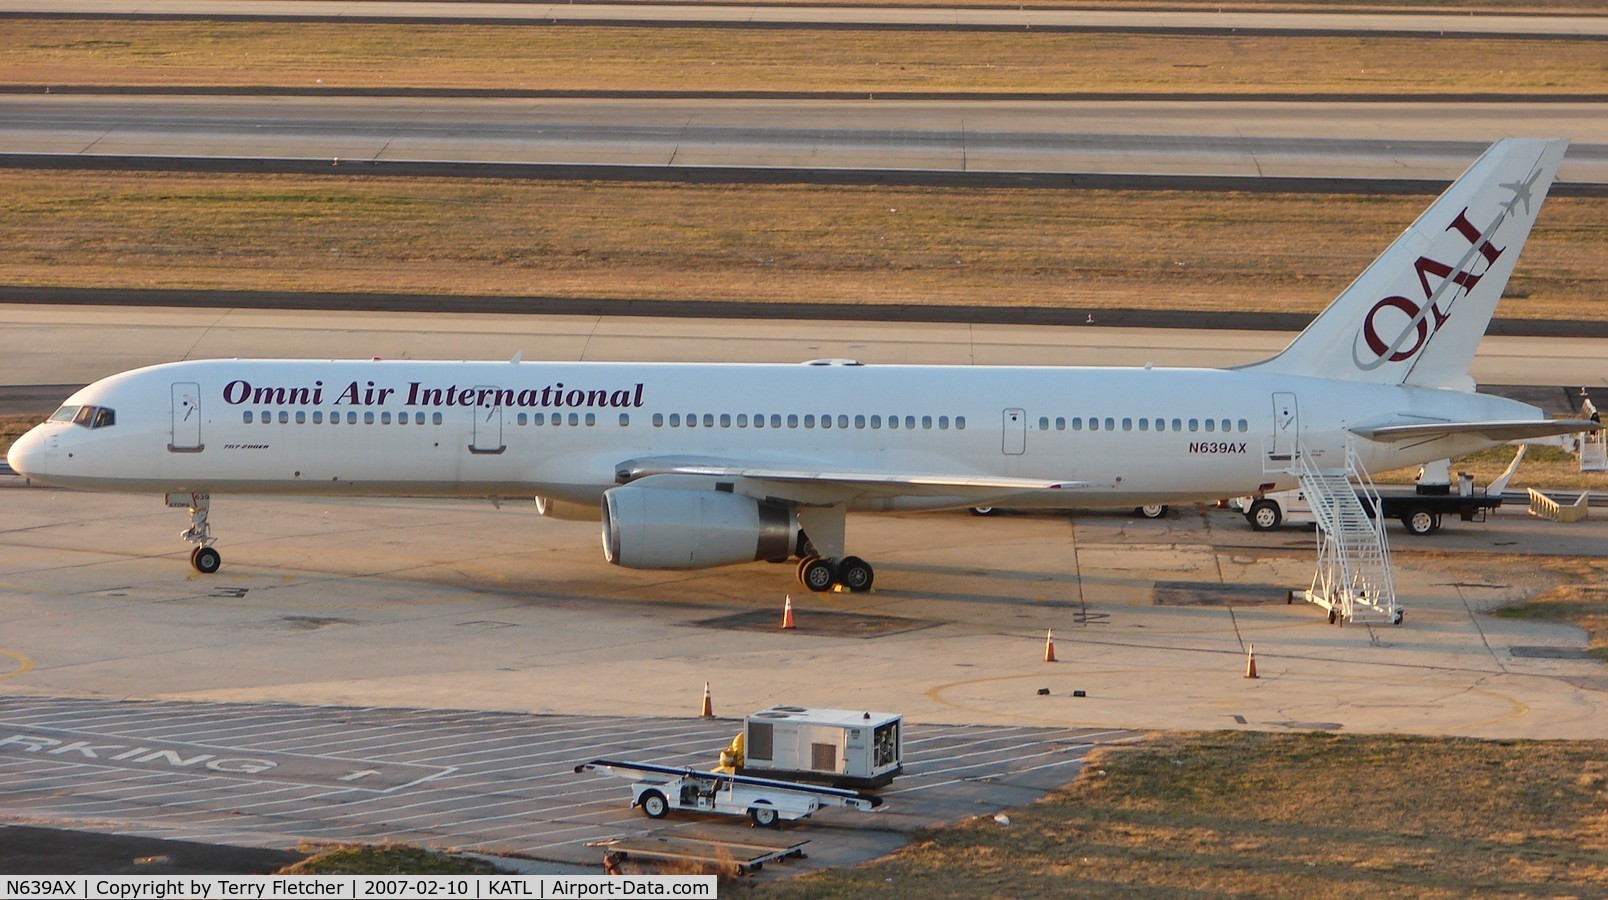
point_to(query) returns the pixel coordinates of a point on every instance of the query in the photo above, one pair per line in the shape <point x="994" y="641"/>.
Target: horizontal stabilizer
<point x="1515" y="430"/>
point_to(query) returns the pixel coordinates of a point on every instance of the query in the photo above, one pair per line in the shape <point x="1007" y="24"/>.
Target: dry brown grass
<point x="12" y="427"/>
<point x="45" y="52"/>
<point x="1163" y="250"/>
<point x="1277" y="815"/>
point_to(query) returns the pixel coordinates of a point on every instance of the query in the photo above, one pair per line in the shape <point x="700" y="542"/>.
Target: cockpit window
<point x="87" y="416"/>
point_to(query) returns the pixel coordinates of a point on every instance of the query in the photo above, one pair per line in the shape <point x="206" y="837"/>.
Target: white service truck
<point x="657" y="790"/>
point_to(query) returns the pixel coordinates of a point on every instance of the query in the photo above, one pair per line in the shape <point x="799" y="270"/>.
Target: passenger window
<point x="1161" y="424"/>
<point x="418" y="418"/>
<point x="1077" y="423"/>
<point x="246" y="417"/>
<point x="1228" y="425"/>
<point x="943" y="423"/>
<point x="759" y="420"/>
<point x="625" y="419"/>
<point x="1044" y="423"/>
<point x="385" y="418"/>
<point x="1194" y="424"/>
<point x="926" y="422"/>
<point x="574" y="419"/>
<point x="368" y="417"/>
<point x="675" y="420"/>
<point x="776" y="420"/>
<point x="521" y="418"/>
<point x="301" y="417"/>
<point x="826" y="421"/>
<point x="267" y="417"/>
<point x="792" y="420"/>
<point x="1094" y="424"/>
<point x="591" y="419"/>
<point x="284" y="417"/>
<point x="435" y="418"/>
<point x="1144" y="424"/>
<point x="1127" y="424"/>
<point x="1211" y="425"/>
<point x="1060" y="423"/>
<point x="725" y="420"/>
<point x="318" y="417"/>
<point x="809" y="421"/>
<point x="1177" y="424"/>
<point x="1110" y="424"/>
<point x="709" y="420"/>
<point x="843" y="421"/>
<point x="351" y="417"/>
<point x="910" y="421"/>
<point x="859" y="421"/>
<point x="692" y="420"/>
<point x="1244" y="425"/>
<point x="658" y="420"/>
<point x="960" y="423"/>
<point x="876" y="423"/>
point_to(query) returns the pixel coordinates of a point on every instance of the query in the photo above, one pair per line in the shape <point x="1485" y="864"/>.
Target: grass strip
<point x="48" y="52"/>
<point x="766" y="243"/>
<point x="1275" y="815"/>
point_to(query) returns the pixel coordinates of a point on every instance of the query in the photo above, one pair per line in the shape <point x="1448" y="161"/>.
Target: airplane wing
<point x="855" y="481"/>
<point x="1514" y="430"/>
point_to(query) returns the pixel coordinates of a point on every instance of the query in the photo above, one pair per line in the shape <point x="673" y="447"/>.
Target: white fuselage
<point x="560" y="429"/>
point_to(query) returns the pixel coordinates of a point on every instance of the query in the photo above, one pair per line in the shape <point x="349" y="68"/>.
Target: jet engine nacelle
<point x="563" y="509"/>
<point x="691" y="528"/>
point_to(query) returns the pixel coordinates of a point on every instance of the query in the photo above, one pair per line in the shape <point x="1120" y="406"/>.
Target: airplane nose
<point x="27" y="456"/>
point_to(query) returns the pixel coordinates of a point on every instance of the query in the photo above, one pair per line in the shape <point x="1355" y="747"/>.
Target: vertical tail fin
<point x="1416" y="315"/>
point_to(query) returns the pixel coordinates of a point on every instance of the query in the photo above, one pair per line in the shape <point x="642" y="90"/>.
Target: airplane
<point x="701" y="465"/>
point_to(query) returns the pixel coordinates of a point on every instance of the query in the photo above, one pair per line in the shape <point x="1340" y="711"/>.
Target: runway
<point x="914" y="17"/>
<point x="1248" y="139"/>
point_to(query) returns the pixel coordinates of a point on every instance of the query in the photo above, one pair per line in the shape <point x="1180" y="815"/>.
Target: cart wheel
<point x="1333" y="616"/>
<point x="764" y="816"/>
<point x="1153" y="511"/>
<point x="653" y="804"/>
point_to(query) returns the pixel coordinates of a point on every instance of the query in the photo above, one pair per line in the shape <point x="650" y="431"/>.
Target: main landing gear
<point x="204" y="557"/>
<point x="819" y="574"/>
<point x="822" y="564"/>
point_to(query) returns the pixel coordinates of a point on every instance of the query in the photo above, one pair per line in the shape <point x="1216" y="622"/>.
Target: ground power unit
<point x="842" y="747"/>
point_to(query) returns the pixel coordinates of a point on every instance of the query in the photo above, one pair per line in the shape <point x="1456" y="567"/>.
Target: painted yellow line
<point x="24" y="664"/>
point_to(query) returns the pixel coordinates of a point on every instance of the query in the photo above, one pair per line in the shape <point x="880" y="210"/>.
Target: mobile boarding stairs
<point x="1353" y="581"/>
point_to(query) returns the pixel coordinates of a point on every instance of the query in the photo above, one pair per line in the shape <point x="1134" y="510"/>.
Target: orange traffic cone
<point x="1049" y="645"/>
<point x="1250" y="662"/>
<point x="787" y="613"/>
<point x="708" y="708"/>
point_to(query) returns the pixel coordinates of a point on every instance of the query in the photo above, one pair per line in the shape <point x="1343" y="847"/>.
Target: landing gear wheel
<point x="653" y="804"/>
<point x="1264" y="515"/>
<point x="764" y="817"/>
<point x="206" y="560"/>
<point x="1421" y="521"/>
<point x="817" y="574"/>
<point x="855" y="574"/>
<point x="1153" y="511"/>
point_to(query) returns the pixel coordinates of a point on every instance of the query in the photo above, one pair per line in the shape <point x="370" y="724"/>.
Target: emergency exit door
<point x="186" y="434"/>
<point x="488" y="427"/>
<point x="1015" y="432"/>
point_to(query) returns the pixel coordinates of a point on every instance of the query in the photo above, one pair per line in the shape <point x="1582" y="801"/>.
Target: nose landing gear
<point x="204" y="558"/>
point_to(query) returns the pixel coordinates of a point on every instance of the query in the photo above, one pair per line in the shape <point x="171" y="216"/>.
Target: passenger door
<point x="186" y="433"/>
<point x="1015" y="443"/>
<point x="488" y="427"/>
